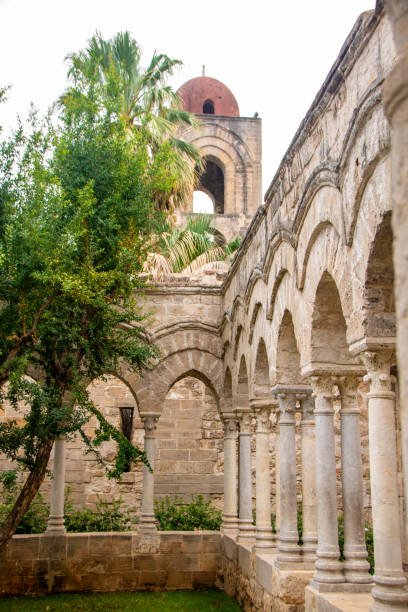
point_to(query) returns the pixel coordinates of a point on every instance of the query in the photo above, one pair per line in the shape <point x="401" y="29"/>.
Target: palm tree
<point x="188" y="249"/>
<point x="141" y="99"/>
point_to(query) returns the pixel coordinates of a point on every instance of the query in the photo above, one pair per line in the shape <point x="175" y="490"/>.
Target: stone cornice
<point x="317" y="368"/>
<point x="372" y="344"/>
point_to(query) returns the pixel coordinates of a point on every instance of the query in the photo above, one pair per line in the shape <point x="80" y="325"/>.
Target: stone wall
<point x="257" y="584"/>
<point x="109" y="562"/>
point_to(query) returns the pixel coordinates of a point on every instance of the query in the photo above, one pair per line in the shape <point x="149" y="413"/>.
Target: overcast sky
<point x="273" y="55"/>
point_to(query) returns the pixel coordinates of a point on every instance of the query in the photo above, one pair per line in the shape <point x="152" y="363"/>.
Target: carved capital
<point x="287" y="406"/>
<point x="378" y="364"/>
<point x="150" y="423"/>
<point x="348" y="388"/>
<point x="263" y="423"/>
<point x="308" y="406"/>
<point x="322" y="385"/>
<point x="245" y="419"/>
<point x="230" y="425"/>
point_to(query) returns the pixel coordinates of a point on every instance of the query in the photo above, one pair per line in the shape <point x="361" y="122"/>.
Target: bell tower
<point x="232" y="148"/>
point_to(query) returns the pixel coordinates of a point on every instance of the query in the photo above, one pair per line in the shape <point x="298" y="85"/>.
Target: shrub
<point x="108" y="516"/>
<point x="176" y="516"/>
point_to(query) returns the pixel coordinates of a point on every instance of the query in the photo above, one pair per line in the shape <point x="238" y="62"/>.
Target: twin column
<point x="292" y="398"/>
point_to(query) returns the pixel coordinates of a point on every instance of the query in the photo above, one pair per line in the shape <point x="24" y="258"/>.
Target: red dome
<point x="209" y="96"/>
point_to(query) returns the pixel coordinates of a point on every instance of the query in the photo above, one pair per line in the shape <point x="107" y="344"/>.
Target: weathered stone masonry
<point x="296" y="349"/>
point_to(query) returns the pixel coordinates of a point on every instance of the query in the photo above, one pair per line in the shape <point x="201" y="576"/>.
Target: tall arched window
<point x="208" y="107"/>
<point x="212" y="182"/>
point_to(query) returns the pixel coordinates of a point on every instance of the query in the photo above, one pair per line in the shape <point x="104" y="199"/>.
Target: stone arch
<point x="321" y="178"/>
<point x="379" y="301"/>
<point x="328" y="326"/>
<point x="367" y="226"/>
<point x="261" y="382"/>
<point x="152" y="389"/>
<point x="217" y="142"/>
<point x="242" y="387"/>
<point x="287" y="353"/>
<point x="324" y="210"/>
<point x="252" y="320"/>
<point x="275" y="288"/>
<point x="227" y="405"/>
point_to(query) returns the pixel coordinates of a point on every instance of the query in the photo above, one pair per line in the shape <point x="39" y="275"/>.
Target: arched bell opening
<point x="212" y="182"/>
<point x="208" y="107"/>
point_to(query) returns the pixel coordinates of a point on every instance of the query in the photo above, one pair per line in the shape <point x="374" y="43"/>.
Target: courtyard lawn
<point x="166" y="601"/>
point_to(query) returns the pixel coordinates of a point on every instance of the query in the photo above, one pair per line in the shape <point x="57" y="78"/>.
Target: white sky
<point x="273" y="55"/>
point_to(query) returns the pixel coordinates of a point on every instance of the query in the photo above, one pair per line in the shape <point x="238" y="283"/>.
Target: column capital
<point x="348" y="388"/>
<point x="245" y="416"/>
<point x="378" y="364"/>
<point x="307" y="405"/>
<point x="322" y="385"/>
<point x="263" y="412"/>
<point x="230" y="424"/>
<point x="149" y="420"/>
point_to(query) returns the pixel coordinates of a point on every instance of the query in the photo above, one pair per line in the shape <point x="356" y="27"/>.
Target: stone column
<point x="289" y="549"/>
<point x="396" y="107"/>
<point x="229" y="517"/>
<point x="277" y="477"/>
<point x="245" y="522"/>
<point x="147" y="522"/>
<point x="328" y="567"/>
<point x="55" y="524"/>
<point x="355" y="565"/>
<point x="389" y="592"/>
<point x="309" y="500"/>
<point x="264" y="540"/>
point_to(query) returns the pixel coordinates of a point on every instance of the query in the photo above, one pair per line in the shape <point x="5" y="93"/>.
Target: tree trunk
<point x="27" y="494"/>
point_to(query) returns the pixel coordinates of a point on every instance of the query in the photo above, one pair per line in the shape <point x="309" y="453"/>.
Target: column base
<point x="309" y="547"/>
<point x="246" y="531"/>
<point x="329" y="570"/>
<point x="229" y="524"/>
<point x="389" y="593"/>
<point x="357" y="571"/>
<point x="264" y="540"/>
<point x="289" y="551"/>
<point x="147" y="523"/>
<point x="55" y="525"/>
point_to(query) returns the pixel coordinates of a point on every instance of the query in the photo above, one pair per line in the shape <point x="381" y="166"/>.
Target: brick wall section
<point x="40" y="564"/>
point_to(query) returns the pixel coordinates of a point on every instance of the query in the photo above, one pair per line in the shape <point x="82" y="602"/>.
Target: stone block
<point x="153" y="579"/>
<point x="263" y="571"/>
<point x="185" y="562"/>
<point x="24" y="547"/>
<point x="145" y="562"/>
<point x="121" y="544"/>
<point x="244" y="559"/>
<point x="53" y="547"/>
<point x="130" y="581"/>
<point x="210" y="562"/>
<point x="211" y="542"/>
<point x="100" y="544"/>
<point x="170" y="543"/>
<point x="191" y="543"/>
<point x="179" y="580"/>
<point x="77" y="545"/>
<point x="203" y="579"/>
<point x="230" y="548"/>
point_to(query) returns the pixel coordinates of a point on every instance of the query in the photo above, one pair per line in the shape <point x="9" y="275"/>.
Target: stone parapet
<point x="127" y="561"/>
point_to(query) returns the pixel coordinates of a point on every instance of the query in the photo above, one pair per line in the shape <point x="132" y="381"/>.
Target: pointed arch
<point x="261" y="382"/>
<point x="287" y="357"/>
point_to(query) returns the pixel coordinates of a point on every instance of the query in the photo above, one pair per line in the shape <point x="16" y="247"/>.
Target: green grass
<point x="167" y="601"/>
